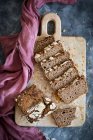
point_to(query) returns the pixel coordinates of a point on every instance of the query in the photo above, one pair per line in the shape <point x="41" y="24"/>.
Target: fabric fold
<point x="17" y="70"/>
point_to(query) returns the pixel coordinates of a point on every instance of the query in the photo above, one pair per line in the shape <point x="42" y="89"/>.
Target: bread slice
<point x="58" y="70"/>
<point x="49" y="51"/>
<point x="34" y="104"/>
<point x="74" y="90"/>
<point x="64" y="117"/>
<point x="58" y="58"/>
<point x="41" y="44"/>
<point x="64" y="79"/>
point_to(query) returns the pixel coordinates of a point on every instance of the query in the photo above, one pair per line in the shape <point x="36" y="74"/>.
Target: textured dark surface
<point x="77" y="20"/>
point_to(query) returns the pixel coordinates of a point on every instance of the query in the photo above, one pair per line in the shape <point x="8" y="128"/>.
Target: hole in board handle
<point x="51" y="27"/>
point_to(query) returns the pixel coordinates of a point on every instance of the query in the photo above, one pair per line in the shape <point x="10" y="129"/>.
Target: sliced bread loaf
<point x="58" y="70"/>
<point x="58" y="58"/>
<point x="64" y="79"/>
<point x="49" y="51"/>
<point x="74" y="90"/>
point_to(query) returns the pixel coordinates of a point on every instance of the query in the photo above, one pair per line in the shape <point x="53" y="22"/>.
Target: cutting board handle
<point x="56" y="19"/>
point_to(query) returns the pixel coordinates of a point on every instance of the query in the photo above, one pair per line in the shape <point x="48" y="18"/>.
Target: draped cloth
<point x="17" y="70"/>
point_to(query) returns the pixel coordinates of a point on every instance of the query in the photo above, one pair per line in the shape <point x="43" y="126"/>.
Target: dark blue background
<point x="77" y="20"/>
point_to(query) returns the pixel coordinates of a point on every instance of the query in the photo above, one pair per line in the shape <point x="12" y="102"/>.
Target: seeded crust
<point x="49" y="51"/>
<point x="64" y="117"/>
<point x="28" y="98"/>
<point x="65" y="79"/>
<point x="58" y="70"/>
<point x="58" y="59"/>
<point x="40" y="45"/>
<point x="34" y="104"/>
<point x="74" y="90"/>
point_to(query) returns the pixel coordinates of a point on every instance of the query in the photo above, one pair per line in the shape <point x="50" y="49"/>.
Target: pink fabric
<point x="17" y="70"/>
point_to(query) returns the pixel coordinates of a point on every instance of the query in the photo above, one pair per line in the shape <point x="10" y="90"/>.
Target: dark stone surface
<point x="77" y="20"/>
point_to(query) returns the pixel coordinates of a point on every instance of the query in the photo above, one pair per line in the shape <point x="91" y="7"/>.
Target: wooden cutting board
<point x="77" y="48"/>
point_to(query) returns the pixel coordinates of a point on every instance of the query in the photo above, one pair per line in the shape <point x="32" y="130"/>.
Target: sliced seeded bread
<point x="58" y="70"/>
<point x="64" y="79"/>
<point x="74" y="90"/>
<point x="41" y="44"/>
<point x="64" y="117"/>
<point x="34" y="105"/>
<point x="58" y="58"/>
<point x="49" y="51"/>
